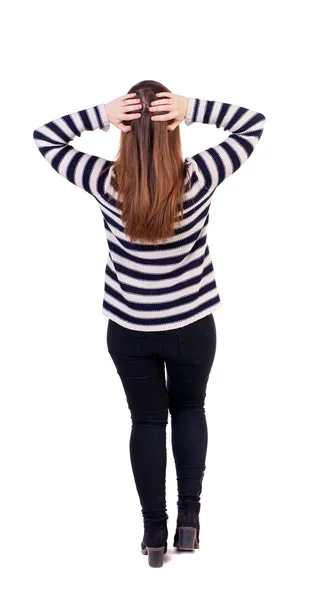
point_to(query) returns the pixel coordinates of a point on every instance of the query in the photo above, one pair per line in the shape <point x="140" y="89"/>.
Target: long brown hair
<point x="149" y="172"/>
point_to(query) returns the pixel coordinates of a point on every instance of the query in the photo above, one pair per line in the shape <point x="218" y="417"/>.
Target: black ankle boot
<point x="154" y="542"/>
<point x="188" y="526"/>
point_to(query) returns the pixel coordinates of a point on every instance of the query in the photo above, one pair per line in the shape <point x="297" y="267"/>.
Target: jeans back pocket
<point x="198" y="329"/>
<point x="122" y="340"/>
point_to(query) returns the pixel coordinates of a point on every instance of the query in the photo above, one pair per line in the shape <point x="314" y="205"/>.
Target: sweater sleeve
<point x="53" y="141"/>
<point x="215" y="164"/>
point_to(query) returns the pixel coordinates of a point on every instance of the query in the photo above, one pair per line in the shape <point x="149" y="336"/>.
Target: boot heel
<point x="187" y="538"/>
<point x="155" y="556"/>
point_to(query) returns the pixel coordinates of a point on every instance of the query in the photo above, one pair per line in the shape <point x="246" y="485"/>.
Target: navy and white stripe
<point x="219" y="162"/>
<point x="53" y="140"/>
<point x="150" y="287"/>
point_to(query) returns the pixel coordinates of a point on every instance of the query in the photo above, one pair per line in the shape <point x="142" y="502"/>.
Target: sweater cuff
<point x="104" y="117"/>
<point x="190" y="111"/>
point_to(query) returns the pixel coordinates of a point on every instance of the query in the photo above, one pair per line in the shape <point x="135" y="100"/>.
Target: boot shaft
<point x="155" y="532"/>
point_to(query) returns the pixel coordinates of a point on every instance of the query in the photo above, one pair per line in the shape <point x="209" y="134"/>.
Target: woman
<point x="159" y="291"/>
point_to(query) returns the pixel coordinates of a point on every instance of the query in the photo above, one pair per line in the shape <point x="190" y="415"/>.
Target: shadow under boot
<point x="154" y="542"/>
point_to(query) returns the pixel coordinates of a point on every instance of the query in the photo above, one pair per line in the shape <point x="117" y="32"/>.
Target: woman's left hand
<point x="117" y="110"/>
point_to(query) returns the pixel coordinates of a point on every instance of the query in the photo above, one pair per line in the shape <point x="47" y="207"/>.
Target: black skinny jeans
<point x="140" y="357"/>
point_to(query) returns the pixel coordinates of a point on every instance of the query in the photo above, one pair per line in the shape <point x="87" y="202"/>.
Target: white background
<point x="71" y="524"/>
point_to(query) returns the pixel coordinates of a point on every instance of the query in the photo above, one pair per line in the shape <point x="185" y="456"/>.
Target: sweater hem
<point x="165" y="326"/>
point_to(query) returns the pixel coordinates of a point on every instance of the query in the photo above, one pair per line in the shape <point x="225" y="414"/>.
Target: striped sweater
<point x="150" y="287"/>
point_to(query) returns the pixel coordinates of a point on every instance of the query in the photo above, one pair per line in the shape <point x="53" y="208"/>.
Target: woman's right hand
<point x="176" y="105"/>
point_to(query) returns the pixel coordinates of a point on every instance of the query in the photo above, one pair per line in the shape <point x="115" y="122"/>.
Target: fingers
<point x="167" y="98"/>
<point x="168" y="94"/>
<point x="124" y="128"/>
<point x="127" y="109"/>
<point x="129" y="105"/>
<point x="126" y="117"/>
<point x="162" y="105"/>
<point x="167" y="117"/>
<point x="173" y="125"/>
<point x="132" y="101"/>
<point x="160" y="118"/>
<point x="128" y="95"/>
<point x="165" y="101"/>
